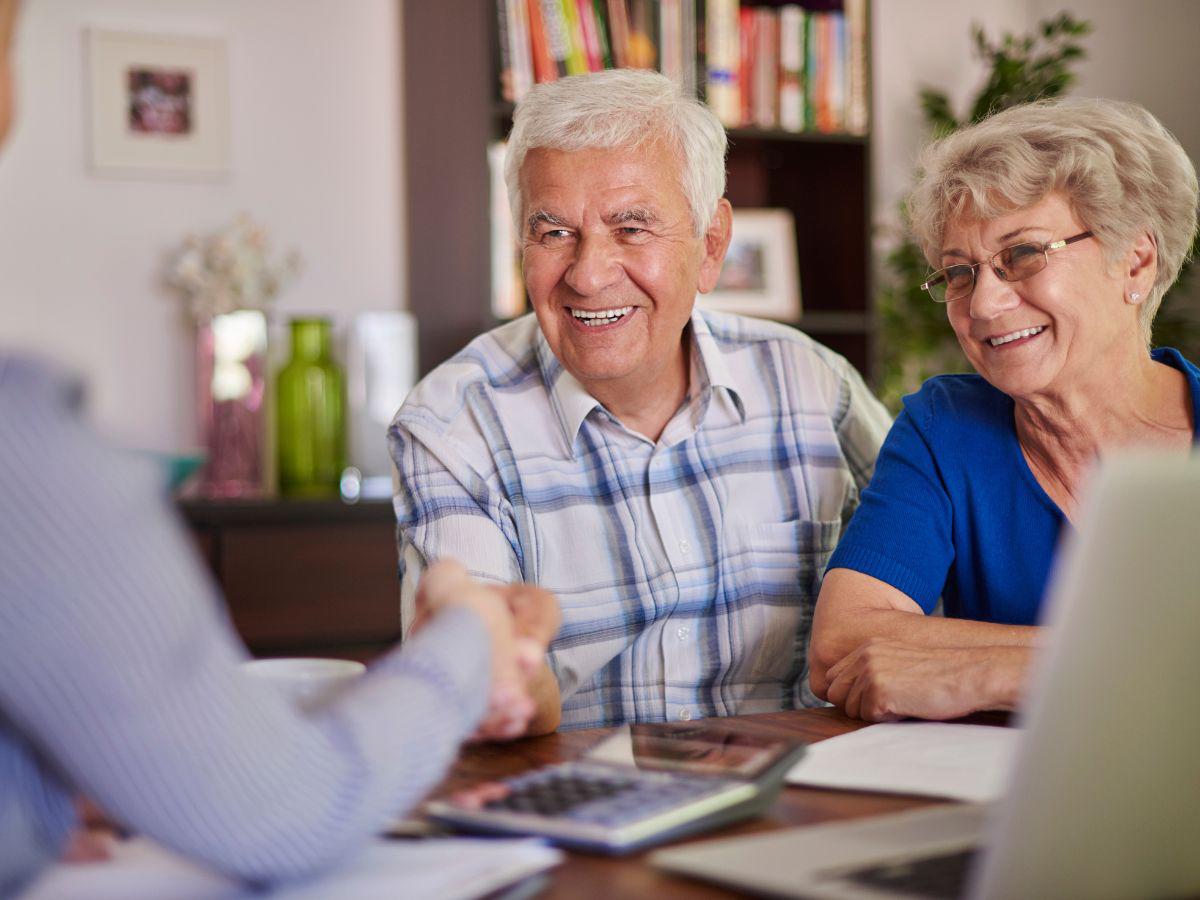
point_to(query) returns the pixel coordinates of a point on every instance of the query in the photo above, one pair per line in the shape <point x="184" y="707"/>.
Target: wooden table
<point x="583" y="875"/>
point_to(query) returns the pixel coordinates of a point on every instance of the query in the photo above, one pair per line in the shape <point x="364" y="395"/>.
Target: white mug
<point x="308" y="682"/>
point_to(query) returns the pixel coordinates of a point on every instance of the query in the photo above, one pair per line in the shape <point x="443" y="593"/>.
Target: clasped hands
<point x="521" y="620"/>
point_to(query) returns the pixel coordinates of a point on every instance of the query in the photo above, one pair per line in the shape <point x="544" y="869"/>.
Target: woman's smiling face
<point x="1037" y="335"/>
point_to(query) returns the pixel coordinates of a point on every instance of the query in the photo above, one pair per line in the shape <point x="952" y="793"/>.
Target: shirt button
<point x="685" y="715"/>
<point x="682" y="632"/>
<point x="685" y="547"/>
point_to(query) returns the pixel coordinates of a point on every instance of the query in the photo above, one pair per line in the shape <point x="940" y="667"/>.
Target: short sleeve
<point x="901" y="532"/>
<point x="862" y="425"/>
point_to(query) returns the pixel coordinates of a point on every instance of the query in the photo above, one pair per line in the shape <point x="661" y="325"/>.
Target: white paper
<point x="936" y="759"/>
<point x="443" y="869"/>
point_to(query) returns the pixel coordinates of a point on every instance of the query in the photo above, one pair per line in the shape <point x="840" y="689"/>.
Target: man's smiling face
<point x="612" y="262"/>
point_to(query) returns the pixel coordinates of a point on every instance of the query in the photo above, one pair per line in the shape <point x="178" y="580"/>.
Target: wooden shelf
<point x="303" y="578"/>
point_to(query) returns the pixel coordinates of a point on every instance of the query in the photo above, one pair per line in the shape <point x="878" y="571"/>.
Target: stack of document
<point x="443" y="869"/>
<point x="933" y="759"/>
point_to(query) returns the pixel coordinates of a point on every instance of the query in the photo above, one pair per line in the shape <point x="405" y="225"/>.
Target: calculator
<point x="644" y="785"/>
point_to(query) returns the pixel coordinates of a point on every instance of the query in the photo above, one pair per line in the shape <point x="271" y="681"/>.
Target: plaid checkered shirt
<point x="687" y="568"/>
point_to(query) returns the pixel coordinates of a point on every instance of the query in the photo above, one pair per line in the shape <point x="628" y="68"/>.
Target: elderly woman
<point x="1055" y="229"/>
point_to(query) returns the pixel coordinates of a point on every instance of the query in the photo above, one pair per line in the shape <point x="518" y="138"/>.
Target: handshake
<point x="521" y="620"/>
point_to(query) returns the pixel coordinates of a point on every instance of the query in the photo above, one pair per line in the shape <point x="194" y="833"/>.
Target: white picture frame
<point x="760" y="276"/>
<point x="159" y="104"/>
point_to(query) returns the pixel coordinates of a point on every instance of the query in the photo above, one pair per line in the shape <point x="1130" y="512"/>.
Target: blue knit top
<point x="953" y="509"/>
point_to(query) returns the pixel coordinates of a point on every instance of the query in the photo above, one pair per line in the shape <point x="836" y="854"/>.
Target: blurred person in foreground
<point x="677" y="477"/>
<point x="1055" y="228"/>
<point x="120" y="677"/>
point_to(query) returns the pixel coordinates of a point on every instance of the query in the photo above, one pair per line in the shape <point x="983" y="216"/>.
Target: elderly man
<point x="677" y="478"/>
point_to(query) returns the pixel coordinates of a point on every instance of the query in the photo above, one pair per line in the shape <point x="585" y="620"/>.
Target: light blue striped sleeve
<point x="119" y="675"/>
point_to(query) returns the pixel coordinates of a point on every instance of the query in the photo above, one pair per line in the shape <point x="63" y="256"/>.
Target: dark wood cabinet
<point x="312" y="578"/>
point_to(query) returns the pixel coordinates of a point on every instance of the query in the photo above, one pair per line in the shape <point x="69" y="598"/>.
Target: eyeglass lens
<point x="1013" y="263"/>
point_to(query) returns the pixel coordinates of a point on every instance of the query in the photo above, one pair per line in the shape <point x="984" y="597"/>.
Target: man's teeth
<point x="1015" y="336"/>
<point x="600" y="316"/>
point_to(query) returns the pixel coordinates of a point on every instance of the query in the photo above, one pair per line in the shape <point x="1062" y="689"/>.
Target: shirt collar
<point x="572" y="403"/>
<point x="568" y="398"/>
<point x="713" y="366"/>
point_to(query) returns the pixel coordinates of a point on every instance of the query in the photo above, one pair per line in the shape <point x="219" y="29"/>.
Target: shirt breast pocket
<point x="772" y="574"/>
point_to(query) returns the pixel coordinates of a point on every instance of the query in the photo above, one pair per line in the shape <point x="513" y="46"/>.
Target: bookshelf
<point x="452" y="110"/>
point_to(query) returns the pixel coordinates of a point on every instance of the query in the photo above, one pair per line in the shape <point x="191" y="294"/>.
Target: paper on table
<point x="938" y="759"/>
<point x="446" y="869"/>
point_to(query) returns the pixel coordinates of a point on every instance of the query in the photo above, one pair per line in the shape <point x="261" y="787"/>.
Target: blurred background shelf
<point x="303" y="577"/>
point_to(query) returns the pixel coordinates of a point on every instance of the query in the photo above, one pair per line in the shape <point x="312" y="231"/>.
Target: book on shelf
<point x="508" y="289"/>
<point x="792" y="24"/>
<point x="765" y="62"/>
<point x="642" y="50"/>
<point x="723" y="61"/>
<point x="783" y="67"/>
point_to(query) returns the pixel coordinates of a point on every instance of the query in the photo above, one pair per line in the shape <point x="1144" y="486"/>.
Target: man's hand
<point x="882" y="680"/>
<point x="520" y="619"/>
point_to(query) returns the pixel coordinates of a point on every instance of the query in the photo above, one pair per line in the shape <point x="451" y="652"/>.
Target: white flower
<point x="229" y="270"/>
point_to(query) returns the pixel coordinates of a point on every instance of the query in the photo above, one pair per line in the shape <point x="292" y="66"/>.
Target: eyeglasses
<point x="1015" y="263"/>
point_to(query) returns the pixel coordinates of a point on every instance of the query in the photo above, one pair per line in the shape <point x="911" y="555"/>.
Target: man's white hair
<point x="621" y="108"/>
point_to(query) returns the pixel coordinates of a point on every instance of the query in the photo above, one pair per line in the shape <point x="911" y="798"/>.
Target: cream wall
<point x="1141" y="51"/>
<point x="315" y="124"/>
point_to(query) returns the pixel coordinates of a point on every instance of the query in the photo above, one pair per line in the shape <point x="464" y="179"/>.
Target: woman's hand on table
<point x="884" y="680"/>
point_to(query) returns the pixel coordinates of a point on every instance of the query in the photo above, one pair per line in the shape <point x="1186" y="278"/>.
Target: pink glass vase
<point x="231" y="364"/>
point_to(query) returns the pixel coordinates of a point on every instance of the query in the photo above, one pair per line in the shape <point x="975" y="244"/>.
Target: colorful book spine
<point x="504" y="35"/>
<point x="791" y="68"/>
<point x="838" y="72"/>
<point x="689" y="44"/>
<point x="747" y="45"/>
<point x="591" y="38"/>
<point x="857" y="115"/>
<point x="576" y="57"/>
<point x="522" y="57"/>
<point x="618" y="23"/>
<point x="603" y="33"/>
<point x="723" y="60"/>
<point x="544" y="67"/>
<point x="670" y="40"/>
<point x="642" y="52"/>
<point x="766" y="68"/>
<point x="818" y="68"/>
<point x="557" y="37"/>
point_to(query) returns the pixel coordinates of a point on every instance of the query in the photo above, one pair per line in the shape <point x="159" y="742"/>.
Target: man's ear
<point x="1141" y="268"/>
<point x="716" y="242"/>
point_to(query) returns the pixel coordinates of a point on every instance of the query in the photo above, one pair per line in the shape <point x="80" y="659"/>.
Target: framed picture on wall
<point x="159" y="104"/>
<point x="760" y="276"/>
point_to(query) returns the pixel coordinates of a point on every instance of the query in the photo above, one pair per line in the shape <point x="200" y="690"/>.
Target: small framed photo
<point x="760" y="276"/>
<point x="159" y="104"/>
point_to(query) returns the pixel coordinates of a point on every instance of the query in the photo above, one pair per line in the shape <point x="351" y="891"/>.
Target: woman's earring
<point x="1134" y="296"/>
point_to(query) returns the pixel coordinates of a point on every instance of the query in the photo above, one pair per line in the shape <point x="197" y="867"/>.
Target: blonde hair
<point x="622" y="108"/>
<point x="1122" y="172"/>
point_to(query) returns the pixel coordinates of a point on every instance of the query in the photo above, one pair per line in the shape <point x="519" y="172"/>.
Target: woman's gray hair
<point x="622" y="108"/>
<point x="1123" y="173"/>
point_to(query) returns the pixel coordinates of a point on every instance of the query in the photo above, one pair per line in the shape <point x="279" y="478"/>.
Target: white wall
<point x="1141" y="51"/>
<point x="916" y="44"/>
<point x="315" y="123"/>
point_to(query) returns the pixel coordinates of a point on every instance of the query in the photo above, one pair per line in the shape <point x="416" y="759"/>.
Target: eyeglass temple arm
<point x="1058" y="245"/>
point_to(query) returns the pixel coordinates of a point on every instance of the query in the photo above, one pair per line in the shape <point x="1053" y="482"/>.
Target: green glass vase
<point x="310" y="407"/>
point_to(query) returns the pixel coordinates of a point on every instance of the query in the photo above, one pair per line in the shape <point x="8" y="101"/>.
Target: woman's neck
<point x="1136" y="402"/>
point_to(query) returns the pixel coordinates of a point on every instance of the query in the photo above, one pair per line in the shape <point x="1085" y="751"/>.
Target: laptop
<point x="1105" y="796"/>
